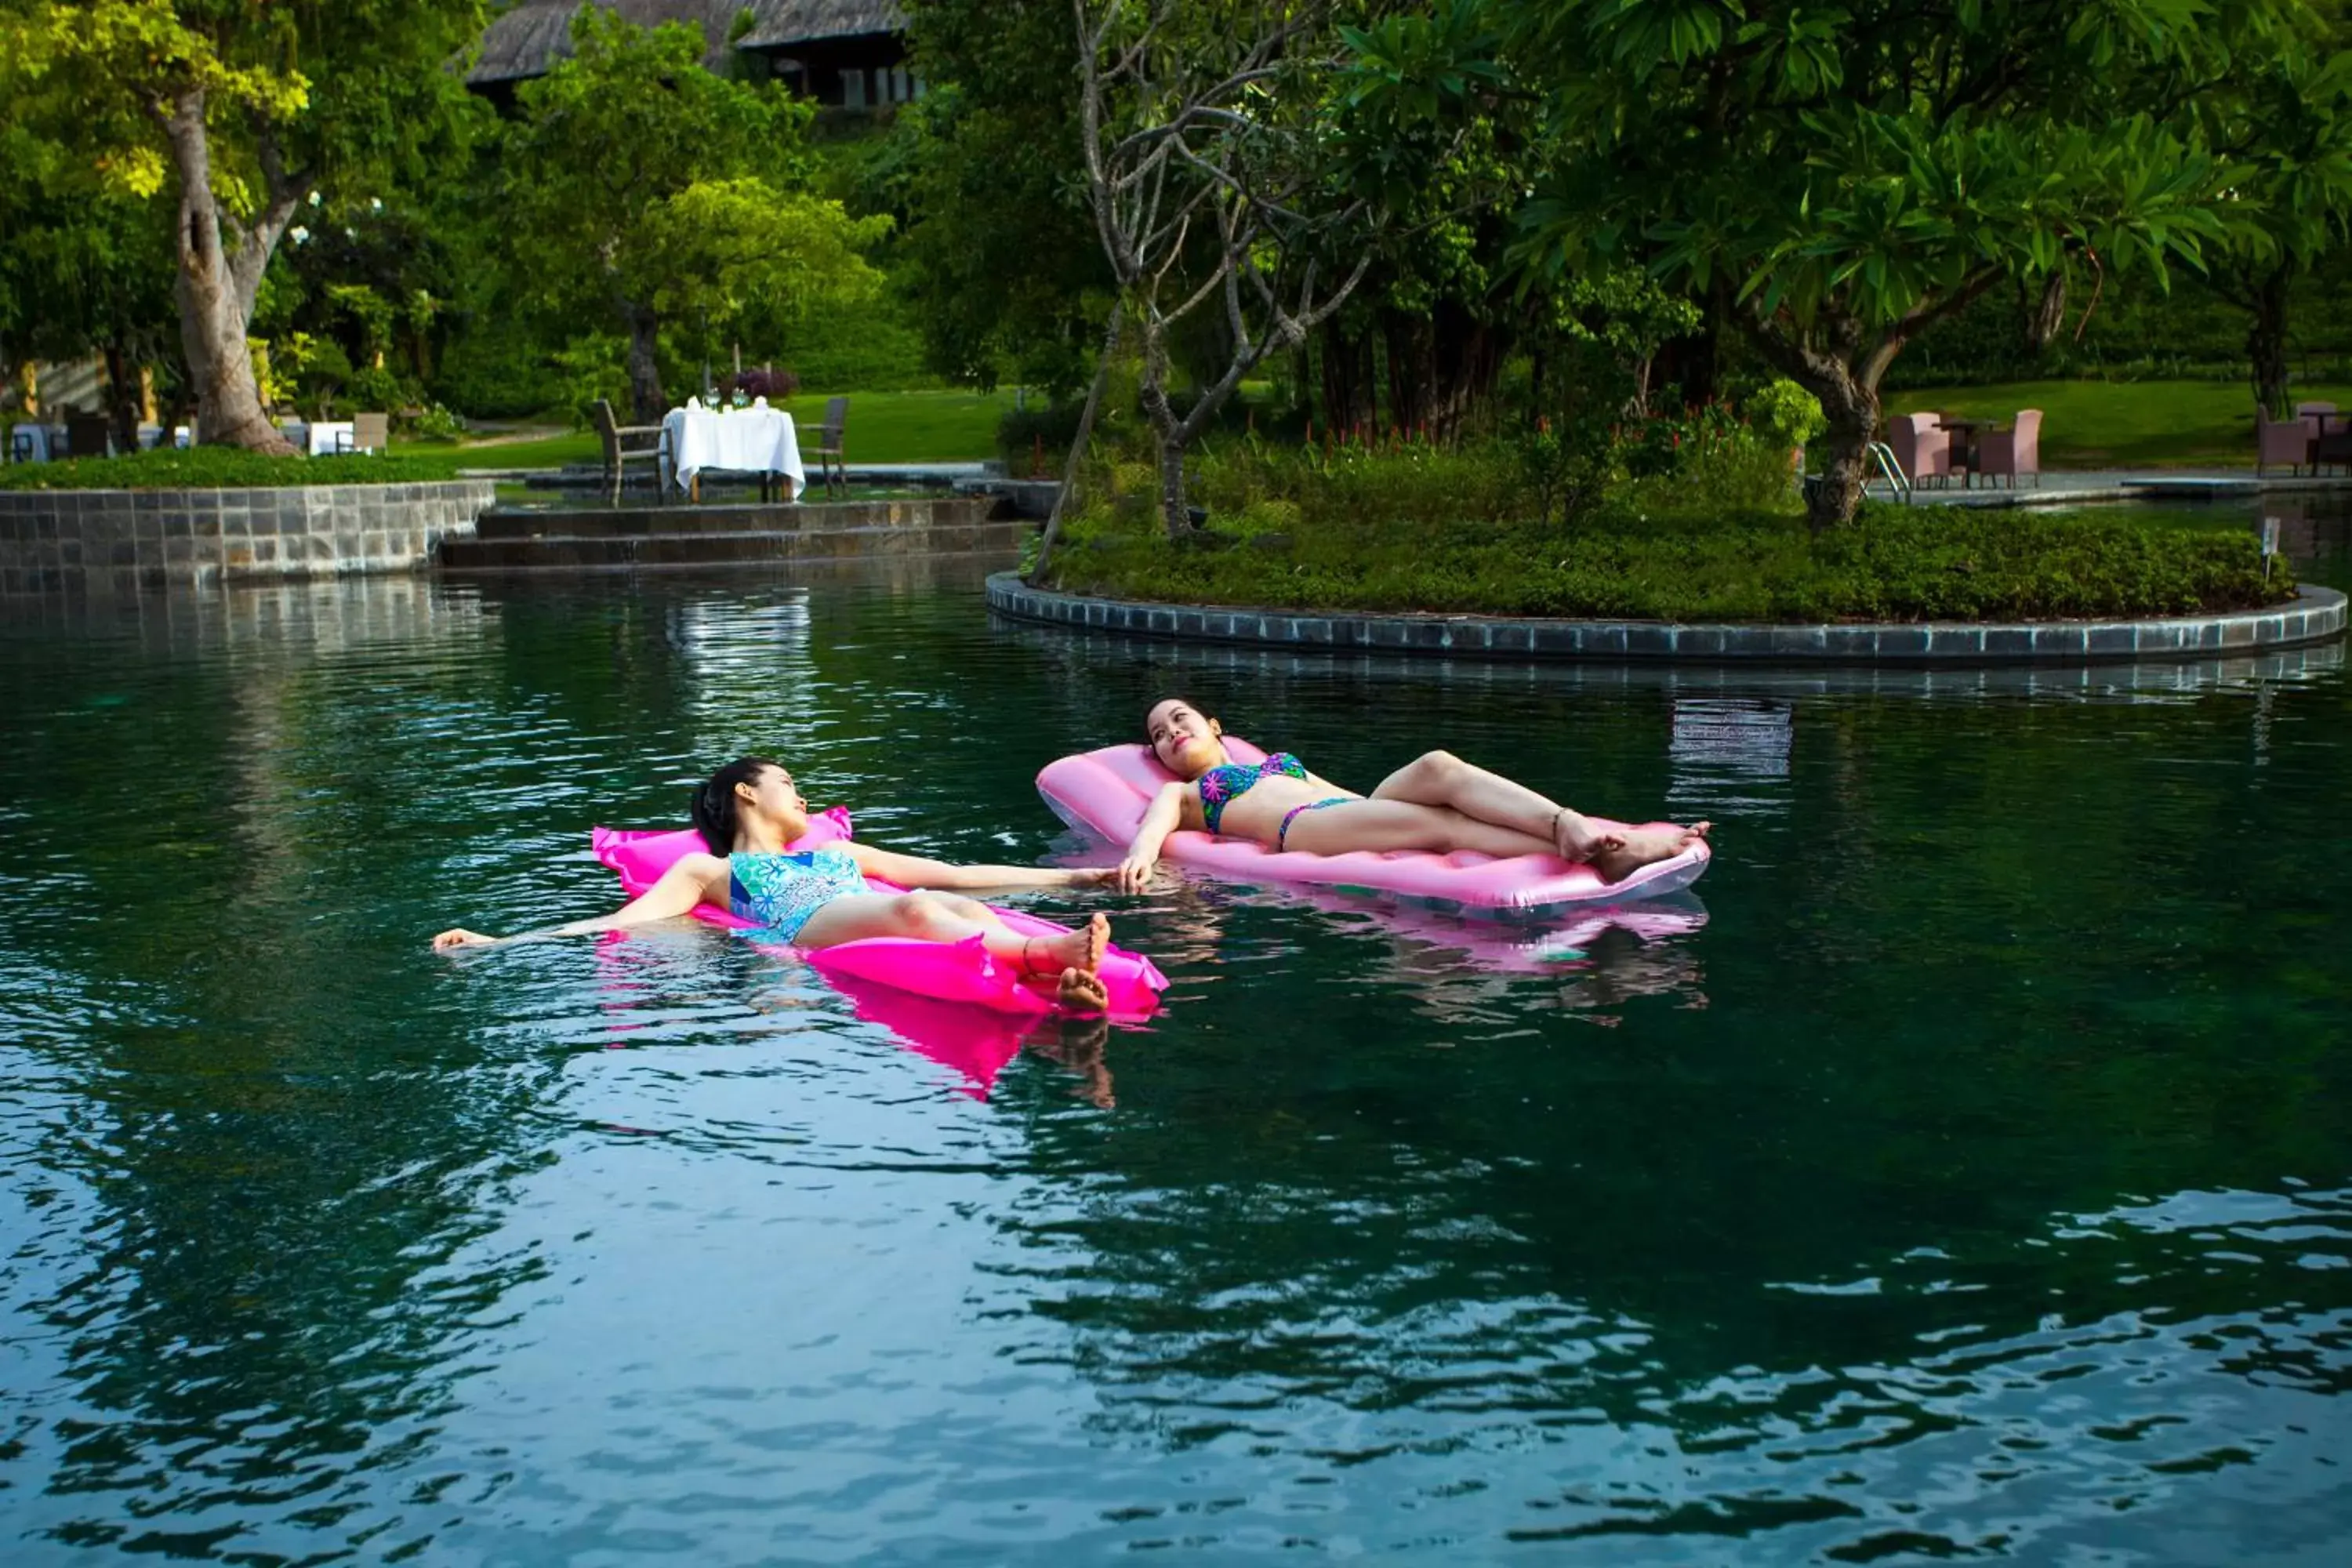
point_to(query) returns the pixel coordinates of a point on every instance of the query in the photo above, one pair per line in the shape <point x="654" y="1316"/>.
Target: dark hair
<point x="714" y="802"/>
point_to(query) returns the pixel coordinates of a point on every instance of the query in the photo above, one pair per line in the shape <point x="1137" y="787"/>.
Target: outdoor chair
<point x="2014" y="451"/>
<point x="1922" y="449"/>
<point x="369" y="433"/>
<point x="2284" y="441"/>
<point x="623" y="445"/>
<point x="87" y="435"/>
<point x="829" y="463"/>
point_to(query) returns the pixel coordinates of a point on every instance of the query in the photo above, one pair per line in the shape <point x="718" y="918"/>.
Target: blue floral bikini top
<point x="779" y="892"/>
<point x="1227" y="779"/>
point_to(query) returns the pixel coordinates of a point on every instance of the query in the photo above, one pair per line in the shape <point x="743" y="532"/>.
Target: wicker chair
<point x="369" y="433"/>
<point x="623" y="445"/>
<point x="829" y="463"/>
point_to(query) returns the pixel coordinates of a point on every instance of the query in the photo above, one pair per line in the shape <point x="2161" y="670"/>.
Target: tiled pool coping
<point x="2314" y="615"/>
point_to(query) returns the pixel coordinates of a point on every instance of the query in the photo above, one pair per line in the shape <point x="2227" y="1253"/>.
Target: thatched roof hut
<point x="786" y="24"/>
<point x="531" y="36"/>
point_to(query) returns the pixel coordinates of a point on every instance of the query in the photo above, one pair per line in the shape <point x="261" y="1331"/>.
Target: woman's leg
<point x="1442" y="779"/>
<point x="1377" y="825"/>
<point x="1071" y="959"/>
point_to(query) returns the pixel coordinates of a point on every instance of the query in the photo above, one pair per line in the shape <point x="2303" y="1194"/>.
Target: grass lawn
<point x="884" y="428"/>
<point x="2122" y="423"/>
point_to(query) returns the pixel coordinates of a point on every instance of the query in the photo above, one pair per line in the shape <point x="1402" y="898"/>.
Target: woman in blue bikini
<point x="749" y="812"/>
<point x="1436" y="802"/>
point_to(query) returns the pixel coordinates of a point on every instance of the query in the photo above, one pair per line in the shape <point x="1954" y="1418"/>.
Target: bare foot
<point x="1078" y="952"/>
<point x="1083" y="949"/>
<point x="1573" y="834"/>
<point x="1640" y="847"/>
<point x="1082" y="991"/>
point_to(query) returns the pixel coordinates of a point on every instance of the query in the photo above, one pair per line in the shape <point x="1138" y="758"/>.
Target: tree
<point x="2284" y="119"/>
<point x="1851" y="175"/>
<point x="641" y="184"/>
<point x="1003" y="260"/>
<point x="1217" y="177"/>
<point x="84" y="267"/>
<point x="241" y="111"/>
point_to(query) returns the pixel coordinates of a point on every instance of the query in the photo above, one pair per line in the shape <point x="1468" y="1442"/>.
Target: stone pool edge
<point x="2315" y="615"/>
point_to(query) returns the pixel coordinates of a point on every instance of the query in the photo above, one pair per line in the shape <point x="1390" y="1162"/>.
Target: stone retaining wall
<point x="2315" y="615"/>
<point x="120" y="541"/>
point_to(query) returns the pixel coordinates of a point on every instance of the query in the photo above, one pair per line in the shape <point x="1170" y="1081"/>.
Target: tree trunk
<point x="645" y="400"/>
<point x="1347" y="379"/>
<point x="2042" y="325"/>
<point x="2266" y="342"/>
<point x="123" y="397"/>
<point x="1068" y="491"/>
<point x="1839" y="369"/>
<point x="1833" y="497"/>
<point x="215" y="291"/>
<point x="1174" y="511"/>
<point x="1166" y="430"/>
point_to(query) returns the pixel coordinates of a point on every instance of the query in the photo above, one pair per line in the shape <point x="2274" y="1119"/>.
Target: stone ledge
<point x="2315" y="615"/>
<point x="68" y="542"/>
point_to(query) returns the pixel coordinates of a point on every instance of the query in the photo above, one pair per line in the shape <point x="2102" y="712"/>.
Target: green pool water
<point x="1966" y="1170"/>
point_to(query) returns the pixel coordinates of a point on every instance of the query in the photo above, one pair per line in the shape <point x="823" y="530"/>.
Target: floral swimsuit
<point x="779" y="893"/>
<point x="1222" y="783"/>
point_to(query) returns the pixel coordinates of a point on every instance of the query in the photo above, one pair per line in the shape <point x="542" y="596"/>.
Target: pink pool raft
<point x="952" y="972"/>
<point x="1106" y="791"/>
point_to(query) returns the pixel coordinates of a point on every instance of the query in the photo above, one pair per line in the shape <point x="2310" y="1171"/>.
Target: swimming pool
<point x="1967" y="1169"/>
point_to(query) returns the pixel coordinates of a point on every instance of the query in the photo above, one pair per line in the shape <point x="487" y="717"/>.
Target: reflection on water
<point x="1971" y="1172"/>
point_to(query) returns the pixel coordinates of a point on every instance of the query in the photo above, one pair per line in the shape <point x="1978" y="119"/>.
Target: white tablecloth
<point x="320" y="437"/>
<point x="739" y="440"/>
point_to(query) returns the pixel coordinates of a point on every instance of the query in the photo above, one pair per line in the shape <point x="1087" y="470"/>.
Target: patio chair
<point x="369" y="433"/>
<point x="1922" y="449"/>
<point x="623" y="445"/>
<point x="829" y="464"/>
<point x="87" y="435"/>
<point x="2014" y="451"/>
<point x="2284" y="441"/>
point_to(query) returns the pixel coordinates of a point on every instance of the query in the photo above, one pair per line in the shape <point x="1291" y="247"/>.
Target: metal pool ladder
<point x="1890" y="470"/>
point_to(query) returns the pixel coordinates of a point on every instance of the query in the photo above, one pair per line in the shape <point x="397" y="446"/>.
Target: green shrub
<point x="1891" y="563"/>
<point x="215" y="467"/>
<point x="1785" y="414"/>
<point x="1040" y="431"/>
<point x="497" y="370"/>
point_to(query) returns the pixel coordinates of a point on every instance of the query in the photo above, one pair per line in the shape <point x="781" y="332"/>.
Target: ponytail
<point x="713" y="807"/>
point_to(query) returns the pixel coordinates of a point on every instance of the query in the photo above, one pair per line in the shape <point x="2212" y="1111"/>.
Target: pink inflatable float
<point x="950" y="971"/>
<point x="1106" y="791"/>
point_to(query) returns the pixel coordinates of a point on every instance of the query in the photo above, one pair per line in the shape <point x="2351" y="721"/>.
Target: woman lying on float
<point x="750" y="815"/>
<point x="1436" y="804"/>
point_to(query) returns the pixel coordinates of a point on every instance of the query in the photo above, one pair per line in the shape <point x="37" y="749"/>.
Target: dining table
<point x="2332" y="442"/>
<point x="1964" y="444"/>
<point x="755" y="440"/>
<point x="318" y="437"/>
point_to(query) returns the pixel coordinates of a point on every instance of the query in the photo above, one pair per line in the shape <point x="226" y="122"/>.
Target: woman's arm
<point x="1160" y="818"/>
<point x="682" y="887"/>
<point x="915" y="871"/>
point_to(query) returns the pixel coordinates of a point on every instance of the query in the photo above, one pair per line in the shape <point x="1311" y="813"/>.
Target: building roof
<point x="781" y="24"/>
<point x="532" y="34"/>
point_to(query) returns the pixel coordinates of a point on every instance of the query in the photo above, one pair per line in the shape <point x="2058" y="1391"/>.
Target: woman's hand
<point x="1133" y="874"/>
<point x="456" y="936"/>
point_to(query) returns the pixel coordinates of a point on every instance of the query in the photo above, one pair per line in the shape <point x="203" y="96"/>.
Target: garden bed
<point x="218" y="469"/>
<point x="1892" y="564"/>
